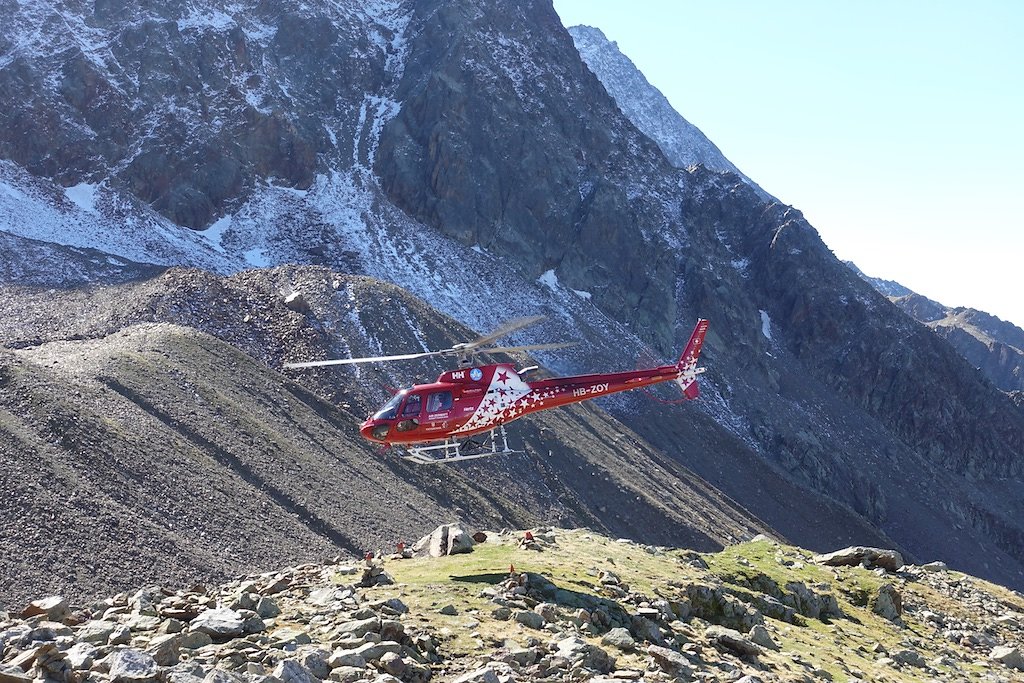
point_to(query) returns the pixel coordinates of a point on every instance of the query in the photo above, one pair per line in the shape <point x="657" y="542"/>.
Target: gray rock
<point x="890" y="560"/>
<point x="936" y="566"/>
<point x="374" y="651"/>
<point x="222" y="676"/>
<point x="393" y="664"/>
<point x="346" y="659"/>
<point x="219" y="623"/>
<point x="165" y="649"/>
<point x="360" y="627"/>
<point x="121" y="635"/>
<point x="590" y="656"/>
<point x="645" y="629"/>
<point x="81" y="655"/>
<point x="193" y="640"/>
<point x="887" y="603"/>
<point x="620" y="638"/>
<point x="529" y="619"/>
<point x="267" y="608"/>
<point x="448" y="610"/>
<point x="315" y="660"/>
<point x="397" y="605"/>
<point x="547" y="610"/>
<point x="759" y="635"/>
<point x="12" y="674"/>
<point x="447" y="539"/>
<point x="729" y="639"/>
<point x="290" y="671"/>
<point x="1010" y="656"/>
<point x="54" y="608"/>
<point x="483" y="675"/>
<point x="95" y="631"/>
<point x="132" y="666"/>
<point x="671" y="661"/>
<point x="909" y="657"/>
<point x="348" y="674"/>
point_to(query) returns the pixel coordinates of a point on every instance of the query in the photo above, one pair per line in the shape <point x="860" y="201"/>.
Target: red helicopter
<point x="438" y="422"/>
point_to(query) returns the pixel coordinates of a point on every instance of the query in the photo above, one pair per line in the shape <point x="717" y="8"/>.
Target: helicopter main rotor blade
<point x="507" y="328"/>
<point x="528" y="347"/>
<point x="375" y="359"/>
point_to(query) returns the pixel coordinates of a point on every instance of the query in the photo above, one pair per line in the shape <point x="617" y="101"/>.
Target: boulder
<point x="132" y="666"/>
<point x="728" y="639"/>
<point x="315" y="660"/>
<point x="529" y="619"/>
<point x="392" y="663"/>
<point x="671" y="662"/>
<point x="267" y="608"/>
<point x="346" y="659"/>
<point x="222" y="676"/>
<point x="1010" y="656"/>
<point x="96" y="631"/>
<point x="577" y="650"/>
<point x="909" y="657"/>
<point x="482" y="675"/>
<point x="547" y="610"/>
<point x="81" y="656"/>
<point x="887" y="603"/>
<point x="447" y="539"/>
<point x="374" y="651"/>
<point x="219" y="623"/>
<point x="359" y="627"/>
<point x="759" y="635"/>
<point x="297" y="302"/>
<point x="620" y="638"/>
<point x="858" y="555"/>
<point x="165" y="649"/>
<point x="290" y="671"/>
<point x="16" y="676"/>
<point x="54" y="608"/>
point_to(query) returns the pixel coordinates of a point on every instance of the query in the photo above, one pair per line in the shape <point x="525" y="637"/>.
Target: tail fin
<point x="687" y="365"/>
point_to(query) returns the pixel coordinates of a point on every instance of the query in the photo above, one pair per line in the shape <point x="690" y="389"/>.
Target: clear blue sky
<point x="896" y="127"/>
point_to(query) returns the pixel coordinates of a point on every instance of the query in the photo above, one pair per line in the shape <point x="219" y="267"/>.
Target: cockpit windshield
<point x="390" y="409"/>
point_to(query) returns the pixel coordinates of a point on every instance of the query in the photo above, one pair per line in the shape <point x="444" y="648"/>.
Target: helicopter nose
<point x="373" y="430"/>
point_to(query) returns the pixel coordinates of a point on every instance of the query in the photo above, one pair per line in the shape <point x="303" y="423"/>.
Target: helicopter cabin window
<point x="412" y="406"/>
<point x="390" y="409"/>
<point x="439" y="401"/>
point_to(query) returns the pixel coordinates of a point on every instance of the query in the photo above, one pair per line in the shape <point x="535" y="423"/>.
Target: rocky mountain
<point x="647" y="108"/>
<point x="994" y="346"/>
<point x="461" y="155"/>
<point x="544" y="604"/>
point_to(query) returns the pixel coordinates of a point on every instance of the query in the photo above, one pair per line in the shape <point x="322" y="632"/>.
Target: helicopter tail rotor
<point x="687" y="364"/>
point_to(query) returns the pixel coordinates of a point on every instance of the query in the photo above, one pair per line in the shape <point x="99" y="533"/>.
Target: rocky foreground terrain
<point x="548" y="604"/>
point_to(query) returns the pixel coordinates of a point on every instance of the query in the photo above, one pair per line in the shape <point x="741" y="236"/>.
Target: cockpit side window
<point x="439" y="401"/>
<point x="390" y="409"/>
<point x="412" y="406"/>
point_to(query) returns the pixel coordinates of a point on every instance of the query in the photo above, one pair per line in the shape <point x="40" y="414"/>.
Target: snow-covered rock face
<point x="682" y="142"/>
<point x="189" y="107"/>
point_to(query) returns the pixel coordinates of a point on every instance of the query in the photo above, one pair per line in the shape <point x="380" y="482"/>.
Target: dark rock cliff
<point x="506" y="140"/>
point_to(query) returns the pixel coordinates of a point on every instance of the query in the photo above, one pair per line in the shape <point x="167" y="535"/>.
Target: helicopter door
<point x="410" y="413"/>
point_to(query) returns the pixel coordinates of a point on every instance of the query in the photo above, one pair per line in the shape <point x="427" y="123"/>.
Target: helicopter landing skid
<point x="452" y="450"/>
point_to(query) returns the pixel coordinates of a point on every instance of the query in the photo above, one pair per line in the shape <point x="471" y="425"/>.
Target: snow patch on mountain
<point x="95" y="217"/>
